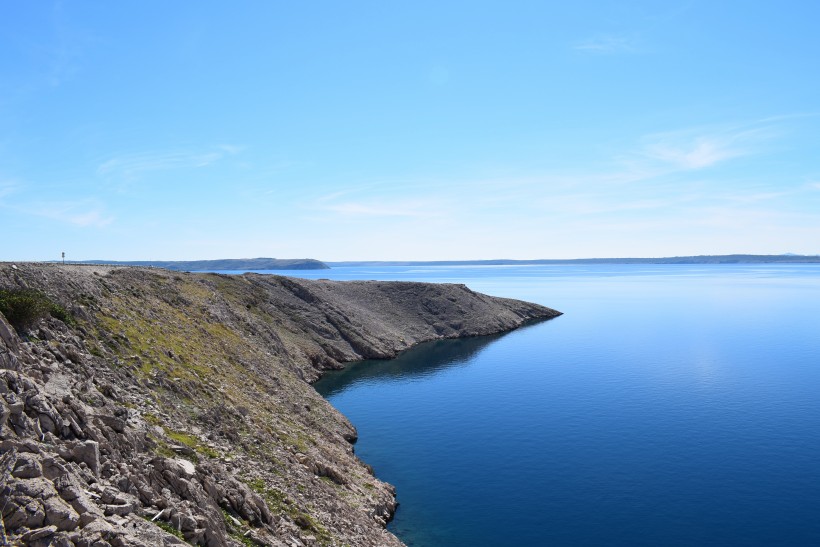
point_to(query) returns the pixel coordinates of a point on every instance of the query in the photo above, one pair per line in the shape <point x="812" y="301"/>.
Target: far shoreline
<point x="698" y="259"/>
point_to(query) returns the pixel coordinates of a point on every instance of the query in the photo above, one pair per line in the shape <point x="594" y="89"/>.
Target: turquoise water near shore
<point x="669" y="405"/>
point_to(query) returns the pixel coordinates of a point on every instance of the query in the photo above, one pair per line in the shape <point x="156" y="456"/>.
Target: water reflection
<point x="423" y="360"/>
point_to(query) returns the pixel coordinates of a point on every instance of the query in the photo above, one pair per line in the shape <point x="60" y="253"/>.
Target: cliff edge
<point x="150" y="407"/>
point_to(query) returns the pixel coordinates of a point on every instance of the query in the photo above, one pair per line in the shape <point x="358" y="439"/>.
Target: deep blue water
<point x="670" y="405"/>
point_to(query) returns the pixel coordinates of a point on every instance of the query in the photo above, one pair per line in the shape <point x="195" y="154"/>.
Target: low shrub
<point x="23" y="308"/>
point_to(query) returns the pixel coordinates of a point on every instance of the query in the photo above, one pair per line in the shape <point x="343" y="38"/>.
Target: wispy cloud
<point x="698" y="148"/>
<point x="130" y="167"/>
<point x="757" y="196"/>
<point x="382" y="208"/>
<point x="85" y="213"/>
<point x="7" y="188"/>
<point x="88" y="213"/>
<point x="93" y="218"/>
<point x="63" y="64"/>
<point x="607" y="44"/>
<point x="398" y="199"/>
<point x="231" y="149"/>
<point x="684" y="185"/>
<point x="700" y="153"/>
<point x="67" y="48"/>
<point x="604" y="203"/>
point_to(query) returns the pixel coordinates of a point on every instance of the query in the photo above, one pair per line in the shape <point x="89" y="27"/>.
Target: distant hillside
<point x="702" y="259"/>
<point x="224" y="264"/>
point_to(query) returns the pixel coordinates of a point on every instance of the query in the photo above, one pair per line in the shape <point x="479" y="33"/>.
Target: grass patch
<point x="207" y="451"/>
<point x="167" y="527"/>
<point x="151" y="418"/>
<point x="162" y="448"/>
<point x="191" y="442"/>
<point x="236" y="530"/>
<point x="182" y="438"/>
<point x="94" y="349"/>
<point x="278" y="502"/>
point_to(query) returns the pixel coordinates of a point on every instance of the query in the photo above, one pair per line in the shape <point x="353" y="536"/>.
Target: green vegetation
<point x="162" y="448"/>
<point x="299" y="440"/>
<point x="23" y="308"/>
<point x="94" y="349"/>
<point x="151" y="418"/>
<point x="168" y="527"/>
<point x="236" y="530"/>
<point x="180" y="342"/>
<point x="278" y="502"/>
<point x="191" y="442"/>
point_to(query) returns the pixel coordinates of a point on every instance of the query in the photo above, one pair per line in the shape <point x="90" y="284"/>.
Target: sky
<point x="443" y="130"/>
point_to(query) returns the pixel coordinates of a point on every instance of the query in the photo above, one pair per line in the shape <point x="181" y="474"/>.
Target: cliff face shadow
<point x="423" y="360"/>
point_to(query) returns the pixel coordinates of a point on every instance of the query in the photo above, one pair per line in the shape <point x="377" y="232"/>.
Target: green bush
<point x="23" y="308"/>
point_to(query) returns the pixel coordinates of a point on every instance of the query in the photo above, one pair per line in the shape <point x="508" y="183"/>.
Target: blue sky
<point x="408" y="130"/>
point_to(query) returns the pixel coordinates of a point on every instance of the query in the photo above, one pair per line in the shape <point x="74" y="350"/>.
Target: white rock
<point x="186" y="466"/>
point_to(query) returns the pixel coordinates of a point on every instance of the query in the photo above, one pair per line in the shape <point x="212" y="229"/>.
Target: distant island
<point x="700" y="259"/>
<point x="222" y="264"/>
<point x="256" y="264"/>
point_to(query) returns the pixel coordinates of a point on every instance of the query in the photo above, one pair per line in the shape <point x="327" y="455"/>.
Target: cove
<point x="669" y="405"/>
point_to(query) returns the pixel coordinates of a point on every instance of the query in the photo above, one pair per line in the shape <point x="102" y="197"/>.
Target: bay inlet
<point x="669" y="405"/>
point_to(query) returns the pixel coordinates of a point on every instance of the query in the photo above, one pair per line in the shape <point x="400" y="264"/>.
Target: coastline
<point x="206" y="378"/>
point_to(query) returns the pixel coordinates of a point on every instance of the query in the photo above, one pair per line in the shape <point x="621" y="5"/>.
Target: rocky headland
<point x="148" y="407"/>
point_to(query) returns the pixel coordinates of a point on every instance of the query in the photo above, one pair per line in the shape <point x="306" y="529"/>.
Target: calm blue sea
<point x="670" y="405"/>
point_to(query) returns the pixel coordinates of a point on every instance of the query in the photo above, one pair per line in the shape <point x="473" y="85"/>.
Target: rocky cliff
<point x="149" y="407"/>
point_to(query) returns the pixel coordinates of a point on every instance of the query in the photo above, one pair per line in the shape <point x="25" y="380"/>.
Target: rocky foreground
<point x="167" y="408"/>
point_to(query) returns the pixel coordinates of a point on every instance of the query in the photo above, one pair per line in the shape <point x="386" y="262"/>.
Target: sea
<point x="671" y="405"/>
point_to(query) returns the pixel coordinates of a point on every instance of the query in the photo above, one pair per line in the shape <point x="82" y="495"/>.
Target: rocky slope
<point x="166" y="408"/>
